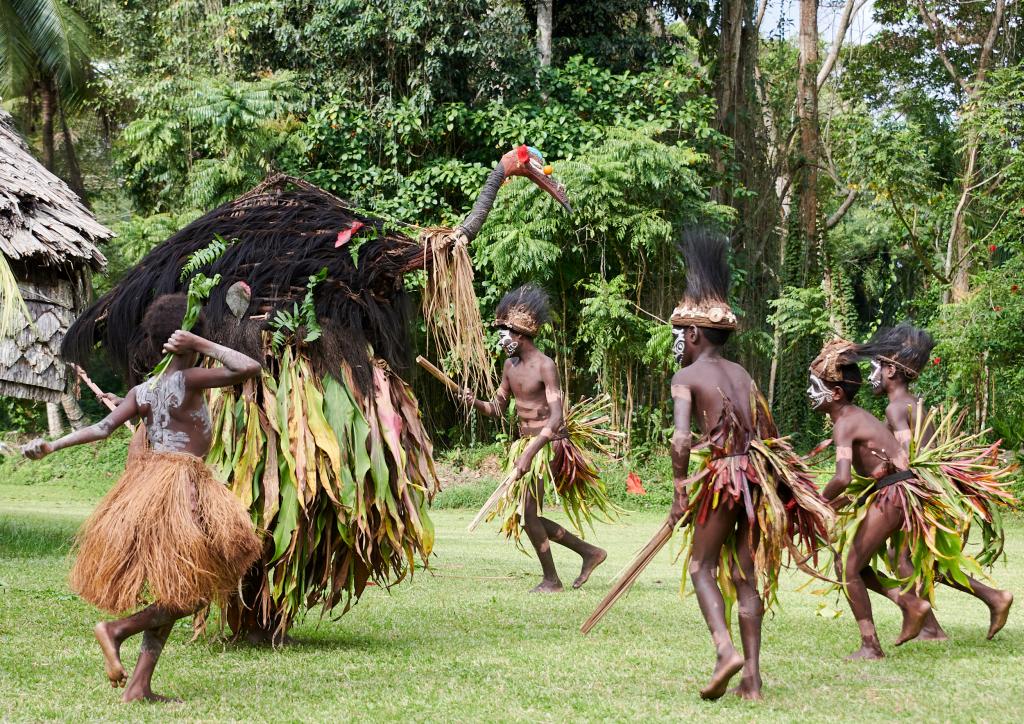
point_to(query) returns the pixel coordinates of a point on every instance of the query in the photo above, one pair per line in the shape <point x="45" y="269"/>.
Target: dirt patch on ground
<point x="452" y="476"/>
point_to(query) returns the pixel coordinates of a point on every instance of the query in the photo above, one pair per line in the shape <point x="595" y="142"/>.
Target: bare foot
<point x="729" y="662"/>
<point x="140" y="694"/>
<point x="915" y="612"/>
<point x="999" y="611"/>
<point x="590" y="561"/>
<point x="932" y="633"/>
<point x="111" y="649"/>
<point x="546" y="586"/>
<point x="869" y="651"/>
<point x="749" y="690"/>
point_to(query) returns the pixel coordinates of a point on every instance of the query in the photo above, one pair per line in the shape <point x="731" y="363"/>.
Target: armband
<point x="682" y="392"/>
<point x="904" y="435"/>
<point x="844" y="453"/>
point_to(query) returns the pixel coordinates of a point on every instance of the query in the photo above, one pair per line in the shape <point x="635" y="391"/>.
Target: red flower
<point x="997" y="308"/>
<point x="992" y="248"/>
<point x="1015" y="288"/>
<point x="346" y="234"/>
<point x="936" y="360"/>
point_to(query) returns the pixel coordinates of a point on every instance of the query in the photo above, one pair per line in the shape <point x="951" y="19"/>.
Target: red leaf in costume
<point x="346" y="234"/>
<point x="634" y="485"/>
<point x="523" y="154"/>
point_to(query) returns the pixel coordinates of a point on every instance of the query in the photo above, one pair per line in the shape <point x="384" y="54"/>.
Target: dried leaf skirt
<point x="970" y="476"/>
<point x="341" y="481"/>
<point x="931" y="530"/>
<point x="565" y="472"/>
<point x="166" y="533"/>
<point x="781" y="511"/>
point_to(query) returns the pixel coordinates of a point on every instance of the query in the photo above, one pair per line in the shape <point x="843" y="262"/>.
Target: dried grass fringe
<point x="167" y="532"/>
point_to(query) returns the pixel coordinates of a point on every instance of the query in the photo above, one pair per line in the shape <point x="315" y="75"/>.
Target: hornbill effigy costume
<point x="327" y="448"/>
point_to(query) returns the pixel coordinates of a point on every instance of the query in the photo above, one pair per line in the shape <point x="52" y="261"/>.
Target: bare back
<point x="711" y="381"/>
<point x="175" y="412"/>
<point x="875" y="450"/>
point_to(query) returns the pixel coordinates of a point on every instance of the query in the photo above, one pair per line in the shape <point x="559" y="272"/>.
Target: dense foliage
<point x="402" y="107"/>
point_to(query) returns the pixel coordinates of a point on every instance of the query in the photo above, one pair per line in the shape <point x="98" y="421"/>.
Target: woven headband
<point x="716" y="315"/>
<point x="518" y="319"/>
<point x="899" y="365"/>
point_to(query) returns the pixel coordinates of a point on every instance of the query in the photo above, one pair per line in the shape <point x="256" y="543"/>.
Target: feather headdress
<point x="523" y="310"/>
<point x="904" y="346"/>
<point x="704" y="304"/>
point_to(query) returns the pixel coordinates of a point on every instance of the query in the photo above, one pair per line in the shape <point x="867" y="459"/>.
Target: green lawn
<point x="469" y="643"/>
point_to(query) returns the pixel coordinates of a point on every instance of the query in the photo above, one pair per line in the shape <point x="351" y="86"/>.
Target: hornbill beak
<point x="528" y="161"/>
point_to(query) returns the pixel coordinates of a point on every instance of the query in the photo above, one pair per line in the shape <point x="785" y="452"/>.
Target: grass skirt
<point x="565" y="471"/>
<point x="167" y="532"/>
<point x="781" y="504"/>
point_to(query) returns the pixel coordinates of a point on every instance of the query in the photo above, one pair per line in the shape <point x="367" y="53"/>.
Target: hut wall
<point x="30" y="366"/>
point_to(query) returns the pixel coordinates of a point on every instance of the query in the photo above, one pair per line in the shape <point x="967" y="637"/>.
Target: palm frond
<point x="12" y="304"/>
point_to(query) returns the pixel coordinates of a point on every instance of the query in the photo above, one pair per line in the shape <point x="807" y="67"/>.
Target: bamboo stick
<point x="493" y="500"/>
<point x="100" y="395"/>
<point x="629" y="575"/>
<point x="439" y="375"/>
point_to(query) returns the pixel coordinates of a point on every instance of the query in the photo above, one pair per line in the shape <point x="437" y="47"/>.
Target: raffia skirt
<point x="166" y="533"/>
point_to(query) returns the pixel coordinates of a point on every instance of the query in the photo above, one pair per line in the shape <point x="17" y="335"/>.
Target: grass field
<point x="469" y="643"/>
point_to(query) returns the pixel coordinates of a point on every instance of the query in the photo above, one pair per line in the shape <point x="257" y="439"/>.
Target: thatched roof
<point x="42" y="221"/>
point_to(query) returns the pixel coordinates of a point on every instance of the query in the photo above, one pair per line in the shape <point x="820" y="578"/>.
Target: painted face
<point x="679" y="344"/>
<point x="818" y="392"/>
<point x="506" y="342"/>
<point x="875" y="378"/>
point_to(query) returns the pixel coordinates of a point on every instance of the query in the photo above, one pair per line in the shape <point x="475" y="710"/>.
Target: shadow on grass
<point x="30" y="536"/>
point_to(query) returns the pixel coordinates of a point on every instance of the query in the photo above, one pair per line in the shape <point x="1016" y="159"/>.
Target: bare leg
<point x="880" y="522"/>
<point x="539" y="538"/>
<point x="998" y="602"/>
<point x="931" y="631"/>
<point x="751" y="612"/>
<point x="704" y="557"/>
<point x="111" y="634"/>
<point x="592" y="555"/>
<point x="139" y="686"/>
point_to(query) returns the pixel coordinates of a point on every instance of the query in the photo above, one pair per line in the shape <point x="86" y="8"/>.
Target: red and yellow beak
<point x="528" y="162"/>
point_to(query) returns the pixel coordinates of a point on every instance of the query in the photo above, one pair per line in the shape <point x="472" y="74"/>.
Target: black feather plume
<point x="905" y="343"/>
<point x="707" y="265"/>
<point x="530" y="297"/>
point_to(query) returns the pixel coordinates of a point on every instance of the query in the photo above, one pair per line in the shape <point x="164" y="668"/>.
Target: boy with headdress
<point x="167" y="532"/>
<point x="547" y="457"/>
<point x="751" y="497"/>
<point x="892" y="502"/>
<point x="897" y="355"/>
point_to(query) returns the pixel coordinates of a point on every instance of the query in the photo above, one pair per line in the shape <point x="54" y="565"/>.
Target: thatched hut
<point x="49" y="239"/>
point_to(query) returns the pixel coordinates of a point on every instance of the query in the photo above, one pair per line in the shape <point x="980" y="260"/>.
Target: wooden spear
<point x="629" y="575"/>
<point x="99" y="393"/>
<point x="439" y="375"/>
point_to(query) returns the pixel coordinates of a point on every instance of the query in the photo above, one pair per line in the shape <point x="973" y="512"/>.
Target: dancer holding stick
<point x="751" y="498"/>
<point x="548" y="456"/>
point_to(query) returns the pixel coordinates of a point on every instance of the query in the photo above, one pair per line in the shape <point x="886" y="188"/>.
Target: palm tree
<point x="44" y="50"/>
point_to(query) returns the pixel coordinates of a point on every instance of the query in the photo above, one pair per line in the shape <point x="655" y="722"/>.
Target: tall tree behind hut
<point x="45" y="49"/>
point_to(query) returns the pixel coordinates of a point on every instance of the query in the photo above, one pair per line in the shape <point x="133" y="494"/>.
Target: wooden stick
<point x="629" y="575"/>
<point x="99" y="393"/>
<point x="493" y="500"/>
<point x="439" y="375"/>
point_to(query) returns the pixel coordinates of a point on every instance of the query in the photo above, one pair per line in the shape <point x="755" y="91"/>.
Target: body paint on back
<point x="167" y="394"/>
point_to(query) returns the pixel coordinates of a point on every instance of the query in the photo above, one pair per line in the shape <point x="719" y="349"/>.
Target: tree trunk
<point x="74" y="170"/>
<point x="49" y="107"/>
<point x="544" y="21"/>
<point x="807" y="113"/>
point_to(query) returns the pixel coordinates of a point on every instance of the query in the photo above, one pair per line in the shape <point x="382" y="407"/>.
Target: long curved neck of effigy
<point x="470" y="227"/>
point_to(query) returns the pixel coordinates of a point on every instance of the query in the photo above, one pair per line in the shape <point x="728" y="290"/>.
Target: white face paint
<point x="875" y="378"/>
<point x="818" y="392"/>
<point x="506" y="342"/>
<point x="678" y="344"/>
